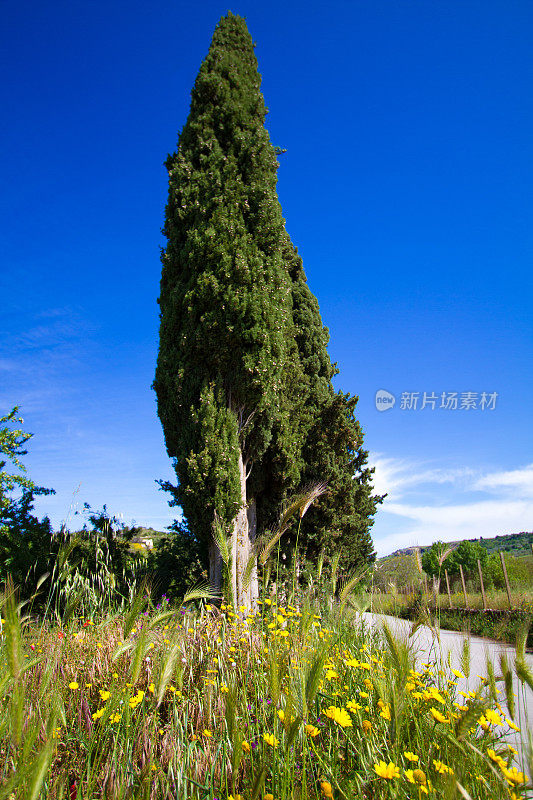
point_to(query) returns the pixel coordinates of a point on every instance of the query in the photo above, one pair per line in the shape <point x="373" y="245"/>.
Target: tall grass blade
<point x="258" y="783"/>
<point x="465" y="657"/>
<point x="137" y="607"/>
<point x="508" y="681"/>
<point x="167" y="670"/>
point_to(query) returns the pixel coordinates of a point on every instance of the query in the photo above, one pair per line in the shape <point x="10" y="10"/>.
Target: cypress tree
<point x="243" y="378"/>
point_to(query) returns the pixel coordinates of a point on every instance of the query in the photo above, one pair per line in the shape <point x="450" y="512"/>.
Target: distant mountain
<point x="519" y="544"/>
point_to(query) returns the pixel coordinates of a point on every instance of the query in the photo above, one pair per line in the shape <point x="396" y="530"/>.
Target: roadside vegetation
<point x="197" y="700"/>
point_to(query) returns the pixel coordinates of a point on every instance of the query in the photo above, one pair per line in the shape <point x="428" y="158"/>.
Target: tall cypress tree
<point x="243" y="378"/>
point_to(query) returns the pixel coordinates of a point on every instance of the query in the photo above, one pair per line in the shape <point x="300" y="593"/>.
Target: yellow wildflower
<point x="311" y="730"/>
<point x="387" y="771"/>
<point x="483" y="722"/>
<point x="493" y="717"/>
<point x="366" y="725"/>
<point x="442" y="768"/>
<point x="514" y="776"/>
<point x="411" y="756"/>
<point x="435" y="713"/>
<point x="74" y="685"/>
<point x="246" y="747"/>
<point x="457" y="673"/>
<point x="339" y="715"/>
<point x="493" y="755"/>
<point x="271" y="739"/>
<point x="327" y="790"/>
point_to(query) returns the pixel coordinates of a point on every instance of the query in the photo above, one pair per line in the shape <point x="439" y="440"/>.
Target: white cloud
<point x="517" y="481"/>
<point x="419" y="509"/>
<point x="397" y="476"/>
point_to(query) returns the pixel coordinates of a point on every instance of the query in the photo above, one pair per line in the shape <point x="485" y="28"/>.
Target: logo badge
<point x="384" y="400"/>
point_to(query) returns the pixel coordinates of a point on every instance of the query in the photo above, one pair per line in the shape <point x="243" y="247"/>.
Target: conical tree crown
<point x="243" y="372"/>
<point x="227" y="350"/>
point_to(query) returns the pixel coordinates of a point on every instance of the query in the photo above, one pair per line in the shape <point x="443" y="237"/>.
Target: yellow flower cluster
<point x="136" y="699"/>
<point x="339" y="715"/>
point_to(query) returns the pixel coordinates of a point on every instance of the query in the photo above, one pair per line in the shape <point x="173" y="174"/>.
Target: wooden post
<point x="464" y="585"/>
<point x="448" y="586"/>
<point x="482" y="587"/>
<point x="506" y="579"/>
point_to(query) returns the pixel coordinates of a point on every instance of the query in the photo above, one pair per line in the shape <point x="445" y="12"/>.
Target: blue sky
<point x="406" y="187"/>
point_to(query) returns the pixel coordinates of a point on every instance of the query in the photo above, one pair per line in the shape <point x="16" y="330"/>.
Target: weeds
<point x="208" y="702"/>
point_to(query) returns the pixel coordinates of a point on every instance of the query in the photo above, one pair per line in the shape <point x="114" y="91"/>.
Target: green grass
<point x="208" y="703"/>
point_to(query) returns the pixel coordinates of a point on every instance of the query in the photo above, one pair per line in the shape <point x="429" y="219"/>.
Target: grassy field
<point x="209" y="702"/>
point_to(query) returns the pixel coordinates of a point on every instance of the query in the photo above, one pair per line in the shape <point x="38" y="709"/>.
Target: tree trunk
<point x="252" y="534"/>
<point x="243" y="536"/>
<point x="215" y="567"/>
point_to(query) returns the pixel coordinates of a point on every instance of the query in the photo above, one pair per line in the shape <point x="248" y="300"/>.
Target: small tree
<point x="441" y="556"/>
<point x="25" y="541"/>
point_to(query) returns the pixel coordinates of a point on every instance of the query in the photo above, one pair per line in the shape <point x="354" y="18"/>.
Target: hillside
<point x="519" y="544"/>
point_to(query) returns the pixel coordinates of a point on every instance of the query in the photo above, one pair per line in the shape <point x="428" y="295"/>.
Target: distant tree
<point x="441" y="556"/>
<point x="519" y="571"/>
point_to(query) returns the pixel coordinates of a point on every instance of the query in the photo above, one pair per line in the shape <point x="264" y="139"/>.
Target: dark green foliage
<point x="520" y="544"/>
<point x="12" y="441"/>
<point x="176" y="564"/>
<point x="226" y="339"/>
<point x="243" y="366"/>
<point x="26" y="543"/>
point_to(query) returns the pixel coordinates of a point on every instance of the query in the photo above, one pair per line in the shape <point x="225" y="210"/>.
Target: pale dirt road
<point x="480" y="650"/>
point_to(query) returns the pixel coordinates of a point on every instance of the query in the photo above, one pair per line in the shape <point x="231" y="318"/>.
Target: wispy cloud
<point x="420" y="510"/>
<point x="397" y="476"/>
<point x="517" y="481"/>
<point x="38" y="359"/>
